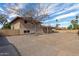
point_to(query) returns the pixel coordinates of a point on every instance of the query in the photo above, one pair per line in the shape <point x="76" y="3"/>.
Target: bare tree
<point x="40" y="12"/>
<point x="3" y="19"/>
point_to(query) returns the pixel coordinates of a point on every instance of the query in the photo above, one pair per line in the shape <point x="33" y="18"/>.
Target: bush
<point x="7" y="26"/>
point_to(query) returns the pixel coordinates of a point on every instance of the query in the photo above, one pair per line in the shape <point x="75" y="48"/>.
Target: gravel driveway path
<point x="54" y="44"/>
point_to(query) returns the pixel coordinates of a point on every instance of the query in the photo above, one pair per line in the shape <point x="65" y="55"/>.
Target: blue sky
<point x="64" y="12"/>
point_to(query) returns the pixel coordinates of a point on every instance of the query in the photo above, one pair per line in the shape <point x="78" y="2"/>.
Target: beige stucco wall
<point x="16" y="25"/>
<point x="31" y="27"/>
<point x="20" y="25"/>
<point x="27" y="26"/>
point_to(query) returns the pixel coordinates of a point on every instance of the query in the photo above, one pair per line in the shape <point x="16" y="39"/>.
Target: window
<point x="25" y="21"/>
<point x="26" y="31"/>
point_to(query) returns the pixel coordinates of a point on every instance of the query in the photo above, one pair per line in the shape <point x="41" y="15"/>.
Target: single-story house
<point x="26" y="25"/>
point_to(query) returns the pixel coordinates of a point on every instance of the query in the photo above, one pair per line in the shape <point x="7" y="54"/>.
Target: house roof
<point x="29" y="19"/>
<point x="16" y="19"/>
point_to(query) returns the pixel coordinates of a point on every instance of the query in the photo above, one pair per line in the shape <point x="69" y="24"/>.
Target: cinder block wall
<point x="7" y="32"/>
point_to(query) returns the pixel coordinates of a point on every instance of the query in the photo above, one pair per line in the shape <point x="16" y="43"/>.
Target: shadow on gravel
<point x="6" y="48"/>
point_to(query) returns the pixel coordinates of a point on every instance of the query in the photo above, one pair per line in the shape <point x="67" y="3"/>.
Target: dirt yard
<point x="55" y="44"/>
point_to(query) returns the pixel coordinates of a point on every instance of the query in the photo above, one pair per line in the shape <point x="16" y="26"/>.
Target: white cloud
<point x="12" y="15"/>
<point x="47" y="8"/>
<point x="67" y="15"/>
<point x="1" y="9"/>
<point x="63" y="16"/>
<point x="68" y="9"/>
<point x="14" y="8"/>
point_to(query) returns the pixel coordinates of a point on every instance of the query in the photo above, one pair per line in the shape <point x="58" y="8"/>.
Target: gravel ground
<point x="55" y="44"/>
